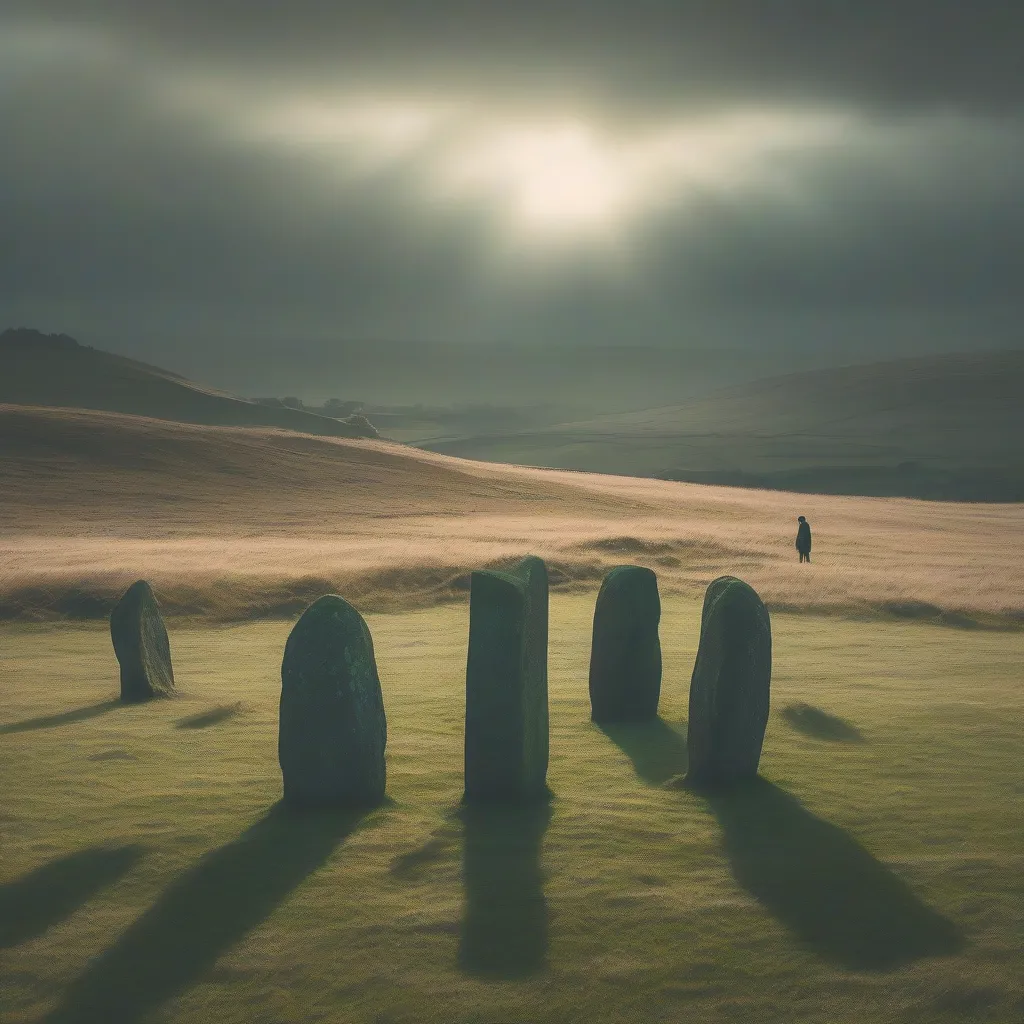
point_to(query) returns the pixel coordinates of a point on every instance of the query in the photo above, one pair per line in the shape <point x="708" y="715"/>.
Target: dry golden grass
<point x="232" y="523"/>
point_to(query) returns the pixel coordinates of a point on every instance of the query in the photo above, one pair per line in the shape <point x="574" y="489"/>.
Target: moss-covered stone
<point x="332" y="731"/>
<point x="506" y="741"/>
<point x="140" y="643"/>
<point x="729" y="690"/>
<point x="625" y="654"/>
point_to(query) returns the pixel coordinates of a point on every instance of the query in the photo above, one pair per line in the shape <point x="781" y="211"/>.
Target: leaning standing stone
<point x="332" y="729"/>
<point x="141" y="645"/>
<point x="625" y="655"/>
<point x="506" y="743"/>
<point x="729" y="690"/>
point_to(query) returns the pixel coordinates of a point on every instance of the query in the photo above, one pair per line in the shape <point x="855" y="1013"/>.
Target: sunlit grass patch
<point x="155" y="877"/>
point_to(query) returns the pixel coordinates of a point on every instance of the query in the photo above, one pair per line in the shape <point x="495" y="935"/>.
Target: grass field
<point x="147" y="872"/>
<point x="874" y="875"/>
<point x="230" y="524"/>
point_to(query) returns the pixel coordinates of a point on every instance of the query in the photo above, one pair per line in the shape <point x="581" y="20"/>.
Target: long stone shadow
<point x="504" y="933"/>
<point x="813" y="877"/>
<point x="657" y="750"/>
<point x="820" y="725"/>
<point x="54" y="891"/>
<point x="823" y="885"/>
<point x="64" y="718"/>
<point x="202" y="914"/>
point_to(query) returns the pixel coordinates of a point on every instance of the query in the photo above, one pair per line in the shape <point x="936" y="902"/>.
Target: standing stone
<point x="506" y="743"/>
<point x="536" y="735"/>
<point x="141" y="645"/>
<point x="729" y="690"/>
<point x="332" y="730"/>
<point x="625" y="655"/>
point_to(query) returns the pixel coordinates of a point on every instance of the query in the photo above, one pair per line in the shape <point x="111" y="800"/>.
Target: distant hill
<point x="946" y="427"/>
<point x="581" y="380"/>
<point x="55" y="370"/>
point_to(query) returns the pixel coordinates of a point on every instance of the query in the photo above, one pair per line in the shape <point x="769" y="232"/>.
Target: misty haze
<point x="511" y="512"/>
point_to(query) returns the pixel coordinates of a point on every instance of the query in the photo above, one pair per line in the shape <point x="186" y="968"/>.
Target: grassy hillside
<point x="943" y="427"/>
<point x="874" y="875"/>
<point x="46" y="370"/>
<point x="146" y="477"/>
<point x="232" y="522"/>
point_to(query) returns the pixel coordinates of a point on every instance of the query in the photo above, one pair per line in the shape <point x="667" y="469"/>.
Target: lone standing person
<point x="803" y="539"/>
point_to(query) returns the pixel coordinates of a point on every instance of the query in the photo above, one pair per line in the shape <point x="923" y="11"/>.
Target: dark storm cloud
<point x="916" y="218"/>
<point x="905" y="52"/>
<point x="150" y="186"/>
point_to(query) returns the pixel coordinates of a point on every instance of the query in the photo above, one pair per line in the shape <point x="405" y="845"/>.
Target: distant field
<point x="233" y="523"/>
<point x="944" y="427"/>
<point x="875" y="875"/>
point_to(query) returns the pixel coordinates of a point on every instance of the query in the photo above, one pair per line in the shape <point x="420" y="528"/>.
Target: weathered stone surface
<point x="535" y="714"/>
<point x="332" y="729"/>
<point x="729" y="690"/>
<point x="141" y="645"/>
<point x="625" y="654"/>
<point x="506" y="742"/>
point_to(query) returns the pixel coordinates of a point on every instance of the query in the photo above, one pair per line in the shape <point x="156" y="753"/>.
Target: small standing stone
<point x="625" y="655"/>
<point x="506" y="741"/>
<point x="141" y="645"/>
<point x="332" y="730"/>
<point x="729" y="690"/>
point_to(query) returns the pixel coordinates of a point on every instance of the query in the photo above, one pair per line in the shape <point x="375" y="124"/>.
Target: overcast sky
<point x="194" y="174"/>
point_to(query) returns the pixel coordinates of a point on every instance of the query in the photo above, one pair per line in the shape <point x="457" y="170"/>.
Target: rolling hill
<point x="943" y="427"/>
<point x="56" y="371"/>
<point x="233" y="523"/>
<point x="524" y="374"/>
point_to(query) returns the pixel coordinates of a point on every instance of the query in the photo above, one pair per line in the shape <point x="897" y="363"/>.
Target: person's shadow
<point x="202" y="914"/>
<point x="813" y="877"/>
<point x="504" y="932"/>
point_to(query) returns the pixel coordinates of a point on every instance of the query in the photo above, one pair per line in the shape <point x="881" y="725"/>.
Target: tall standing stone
<point x="536" y="732"/>
<point x="506" y="742"/>
<point x="140" y="642"/>
<point x="332" y="730"/>
<point x="729" y="690"/>
<point x="625" y="655"/>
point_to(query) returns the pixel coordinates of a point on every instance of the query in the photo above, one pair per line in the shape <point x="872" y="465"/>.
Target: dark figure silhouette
<point x="803" y="539"/>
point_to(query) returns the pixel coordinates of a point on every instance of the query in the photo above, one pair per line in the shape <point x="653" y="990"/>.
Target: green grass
<point x="147" y="872"/>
